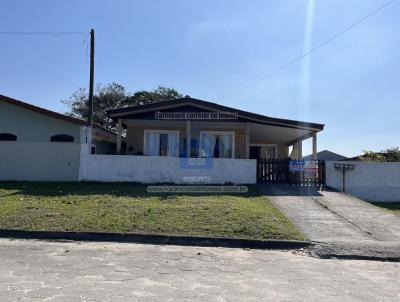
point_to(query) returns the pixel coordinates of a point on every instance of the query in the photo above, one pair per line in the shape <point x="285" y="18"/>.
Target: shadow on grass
<point x="391" y="206"/>
<point x="122" y="189"/>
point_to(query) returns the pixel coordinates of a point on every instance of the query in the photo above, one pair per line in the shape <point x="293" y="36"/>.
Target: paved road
<point x="56" y="271"/>
<point x="339" y="221"/>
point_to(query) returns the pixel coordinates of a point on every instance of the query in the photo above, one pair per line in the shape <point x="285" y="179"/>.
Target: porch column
<point x="188" y="137"/>
<point x="314" y="146"/>
<point x="119" y="133"/>
<point x="247" y="141"/>
<point x="299" y="149"/>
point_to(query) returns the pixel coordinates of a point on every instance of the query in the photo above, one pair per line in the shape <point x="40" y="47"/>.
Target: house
<point x="209" y="130"/>
<point x="326" y="155"/>
<point x="190" y="141"/>
<point x="39" y="144"/>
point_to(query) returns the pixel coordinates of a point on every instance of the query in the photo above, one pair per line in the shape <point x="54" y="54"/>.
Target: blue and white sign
<point x="296" y="165"/>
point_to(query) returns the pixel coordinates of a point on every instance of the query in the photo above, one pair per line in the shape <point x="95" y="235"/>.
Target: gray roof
<point x="326" y="155"/>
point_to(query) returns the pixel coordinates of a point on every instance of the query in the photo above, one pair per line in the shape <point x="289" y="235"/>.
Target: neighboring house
<point x="39" y="144"/>
<point x="173" y="127"/>
<point x="326" y="155"/>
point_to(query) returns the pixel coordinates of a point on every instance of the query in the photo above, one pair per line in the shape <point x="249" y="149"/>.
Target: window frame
<point x="220" y="133"/>
<point x="145" y="131"/>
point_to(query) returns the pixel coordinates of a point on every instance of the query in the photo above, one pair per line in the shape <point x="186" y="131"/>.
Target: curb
<point x="156" y="239"/>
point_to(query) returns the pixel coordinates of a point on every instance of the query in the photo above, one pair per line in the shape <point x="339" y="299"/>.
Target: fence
<point x="276" y="171"/>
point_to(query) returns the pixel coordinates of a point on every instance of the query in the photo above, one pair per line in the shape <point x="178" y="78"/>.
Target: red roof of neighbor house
<point x="43" y="111"/>
<point x="50" y="113"/>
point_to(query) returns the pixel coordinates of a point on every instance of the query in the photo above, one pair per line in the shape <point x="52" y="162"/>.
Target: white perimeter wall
<point x="369" y="181"/>
<point x="159" y="169"/>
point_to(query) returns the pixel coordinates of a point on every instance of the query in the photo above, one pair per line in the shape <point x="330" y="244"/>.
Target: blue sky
<point x="217" y="51"/>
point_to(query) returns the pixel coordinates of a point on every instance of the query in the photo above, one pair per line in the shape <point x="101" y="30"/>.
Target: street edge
<point x="156" y="239"/>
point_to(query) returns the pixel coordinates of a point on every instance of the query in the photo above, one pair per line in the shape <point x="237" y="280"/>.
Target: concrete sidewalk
<point x="342" y="225"/>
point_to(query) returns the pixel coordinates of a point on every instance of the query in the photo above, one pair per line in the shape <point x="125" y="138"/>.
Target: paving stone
<point x="133" y="272"/>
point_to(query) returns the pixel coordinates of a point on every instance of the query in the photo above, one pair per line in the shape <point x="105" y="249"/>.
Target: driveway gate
<point x="276" y="171"/>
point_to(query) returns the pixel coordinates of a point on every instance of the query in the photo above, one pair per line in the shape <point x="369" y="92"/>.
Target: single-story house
<point x="39" y="144"/>
<point x="209" y="130"/>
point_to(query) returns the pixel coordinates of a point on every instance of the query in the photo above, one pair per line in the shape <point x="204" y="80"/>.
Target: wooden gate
<point x="276" y="171"/>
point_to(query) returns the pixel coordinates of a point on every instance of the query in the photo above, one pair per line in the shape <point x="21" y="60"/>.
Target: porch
<point x="205" y="139"/>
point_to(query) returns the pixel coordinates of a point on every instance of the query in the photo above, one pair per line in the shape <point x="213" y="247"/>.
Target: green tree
<point x="111" y="96"/>
<point x="388" y="155"/>
<point x="157" y="95"/>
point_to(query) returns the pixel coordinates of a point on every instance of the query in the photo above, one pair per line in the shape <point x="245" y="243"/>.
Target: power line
<point x="324" y="43"/>
<point x="48" y="33"/>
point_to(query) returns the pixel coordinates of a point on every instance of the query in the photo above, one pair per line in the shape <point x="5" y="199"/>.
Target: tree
<point x="388" y="155"/>
<point x="111" y="96"/>
<point x="148" y="97"/>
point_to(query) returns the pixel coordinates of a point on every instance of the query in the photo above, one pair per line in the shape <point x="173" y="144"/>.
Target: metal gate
<point x="276" y="171"/>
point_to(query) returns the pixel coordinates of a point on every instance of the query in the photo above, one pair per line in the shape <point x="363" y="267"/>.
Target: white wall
<point x="39" y="161"/>
<point x="369" y="181"/>
<point x="158" y="169"/>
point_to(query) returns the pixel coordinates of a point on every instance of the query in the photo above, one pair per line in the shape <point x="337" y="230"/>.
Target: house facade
<point x="194" y="128"/>
<point x="39" y="144"/>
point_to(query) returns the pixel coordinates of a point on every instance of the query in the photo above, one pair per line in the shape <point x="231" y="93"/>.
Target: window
<point x="65" y="138"/>
<point x="161" y="143"/>
<point x="217" y="144"/>
<point x="7" y="137"/>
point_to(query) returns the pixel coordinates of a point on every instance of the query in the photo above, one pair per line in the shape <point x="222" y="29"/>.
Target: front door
<point x="254" y="152"/>
<point x="263" y="151"/>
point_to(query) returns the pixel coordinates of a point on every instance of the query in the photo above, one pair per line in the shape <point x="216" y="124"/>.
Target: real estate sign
<point x="296" y="165"/>
<point x="309" y="168"/>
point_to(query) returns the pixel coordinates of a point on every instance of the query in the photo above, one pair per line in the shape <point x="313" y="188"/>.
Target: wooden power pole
<point x="91" y="84"/>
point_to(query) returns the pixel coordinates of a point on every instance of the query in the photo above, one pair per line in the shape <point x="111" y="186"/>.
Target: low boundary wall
<point x="39" y="161"/>
<point x="378" y="182"/>
<point x="159" y="169"/>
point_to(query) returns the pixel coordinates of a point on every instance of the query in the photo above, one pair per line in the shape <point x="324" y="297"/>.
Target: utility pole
<point x="91" y="78"/>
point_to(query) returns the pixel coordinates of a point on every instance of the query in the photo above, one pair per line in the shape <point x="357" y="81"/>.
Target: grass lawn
<point x="127" y="207"/>
<point x="393" y="207"/>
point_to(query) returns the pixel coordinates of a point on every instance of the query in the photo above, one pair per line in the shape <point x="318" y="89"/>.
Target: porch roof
<point x="244" y="116"/>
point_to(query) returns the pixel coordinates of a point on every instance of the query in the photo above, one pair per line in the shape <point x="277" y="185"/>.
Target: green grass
<point x="127" y="207"/>
<point x="393" y="207"/>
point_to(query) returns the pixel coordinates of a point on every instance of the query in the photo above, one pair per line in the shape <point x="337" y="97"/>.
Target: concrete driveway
<point x="343" y="225"/>
<point x="70" y="271"/>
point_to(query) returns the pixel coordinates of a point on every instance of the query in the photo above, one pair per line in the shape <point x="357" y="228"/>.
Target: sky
<point x="220" y="51"/>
